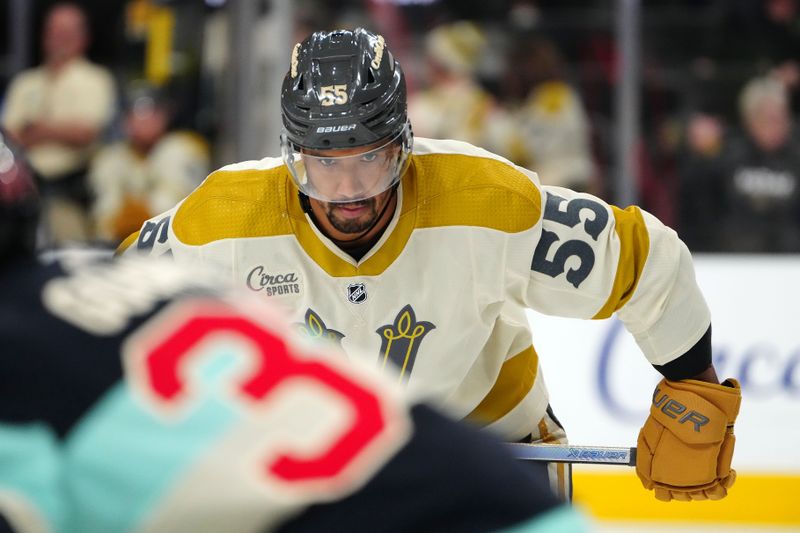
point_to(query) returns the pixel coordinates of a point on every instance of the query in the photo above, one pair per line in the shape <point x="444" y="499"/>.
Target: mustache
<point x="355" y="203"/>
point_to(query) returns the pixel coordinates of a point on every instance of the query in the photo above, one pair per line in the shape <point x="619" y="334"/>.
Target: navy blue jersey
<point x="135" y="396"/>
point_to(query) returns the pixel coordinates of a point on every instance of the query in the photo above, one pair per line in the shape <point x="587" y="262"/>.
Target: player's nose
<point x="349" y="186"/>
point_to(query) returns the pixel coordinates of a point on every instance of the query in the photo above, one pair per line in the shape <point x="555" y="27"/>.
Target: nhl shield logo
<point x="356" y="293"/>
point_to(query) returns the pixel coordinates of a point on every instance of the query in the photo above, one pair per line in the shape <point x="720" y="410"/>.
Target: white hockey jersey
<point x="441" y="297"/>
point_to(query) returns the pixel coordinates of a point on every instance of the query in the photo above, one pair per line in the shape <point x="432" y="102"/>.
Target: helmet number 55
<point x="333" y="95"/>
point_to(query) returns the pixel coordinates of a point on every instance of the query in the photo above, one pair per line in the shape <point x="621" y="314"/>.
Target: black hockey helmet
<point x="19" y="203"/>
<point x="344" y="89"/>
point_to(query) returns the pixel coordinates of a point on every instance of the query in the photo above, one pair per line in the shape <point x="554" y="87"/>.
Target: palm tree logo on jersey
<point x="314" y="327"/>
<point x="400" y="341"/>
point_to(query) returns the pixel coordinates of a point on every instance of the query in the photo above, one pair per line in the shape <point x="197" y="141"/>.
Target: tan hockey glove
<point x="686" y="444"/>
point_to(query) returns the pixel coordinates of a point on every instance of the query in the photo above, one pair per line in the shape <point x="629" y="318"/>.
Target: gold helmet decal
<point x="379" y="46"/>
<point x="295" y="52"/>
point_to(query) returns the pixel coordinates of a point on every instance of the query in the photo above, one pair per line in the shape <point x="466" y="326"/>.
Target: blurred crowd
<point x="530" y="80"/>
<point x="106" y="158"/>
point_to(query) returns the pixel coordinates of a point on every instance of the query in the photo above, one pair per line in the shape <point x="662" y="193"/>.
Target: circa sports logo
<point x="272" y="283"/>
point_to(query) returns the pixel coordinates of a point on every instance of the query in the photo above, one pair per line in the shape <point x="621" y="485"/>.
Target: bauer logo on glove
<point x="686" y="444"/>
<point x="673" y="408"/>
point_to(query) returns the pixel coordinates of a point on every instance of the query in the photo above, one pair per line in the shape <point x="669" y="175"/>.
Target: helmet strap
<point x="305" y="204"/>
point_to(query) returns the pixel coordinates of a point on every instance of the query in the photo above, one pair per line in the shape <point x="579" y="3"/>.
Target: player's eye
<point x="369" y="157"/>
<point x="327" y="162"/>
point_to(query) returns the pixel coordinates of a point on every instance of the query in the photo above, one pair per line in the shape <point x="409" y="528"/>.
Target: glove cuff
<point x="726" y="396"/>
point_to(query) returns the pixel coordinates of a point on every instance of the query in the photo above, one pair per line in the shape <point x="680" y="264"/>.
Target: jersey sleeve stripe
<point x="512" y="385"/>
<point x="124" y="245"/>
<point x="634" y="247"/>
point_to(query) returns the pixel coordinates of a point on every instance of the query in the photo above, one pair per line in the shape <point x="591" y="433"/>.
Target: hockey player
<point x="136" y="398"/>
<point x="424" y="255"/>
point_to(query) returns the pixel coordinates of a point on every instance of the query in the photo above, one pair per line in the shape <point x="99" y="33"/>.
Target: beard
<point x="353" y="225"/>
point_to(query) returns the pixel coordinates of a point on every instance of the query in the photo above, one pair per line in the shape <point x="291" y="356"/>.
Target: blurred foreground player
<point x="136" y="398"/>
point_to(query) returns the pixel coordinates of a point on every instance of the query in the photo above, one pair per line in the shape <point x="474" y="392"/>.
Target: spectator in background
<point x="147" y="172"/>
<point x="746" y="38"/>
<point x="455" y="105"/>
<point x="700" y="197"/>
<point x="57" y="112"/>
<point x="554" y="127"/>
<point x="783" y="14"/>
<point x="760" y="174"/>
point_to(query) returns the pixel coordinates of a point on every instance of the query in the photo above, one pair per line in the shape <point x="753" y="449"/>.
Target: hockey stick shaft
<point x="565" y="453"/>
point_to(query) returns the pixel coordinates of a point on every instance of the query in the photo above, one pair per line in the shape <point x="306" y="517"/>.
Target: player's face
<point x="351" y="178"/>
<point x="355" y="217"/>
<point x="351" y="175"/>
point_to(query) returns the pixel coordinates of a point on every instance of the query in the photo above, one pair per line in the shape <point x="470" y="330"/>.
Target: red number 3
<point x="159" y="357"/>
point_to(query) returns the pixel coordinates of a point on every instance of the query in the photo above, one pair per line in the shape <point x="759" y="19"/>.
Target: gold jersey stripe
<point x="562" y="481"/>
<point x="124" y="245"/>
<point x="453" y="198"/>
<point x="634" y="247"/>
<point x="755" y="498"/>
<point x="544" y="433"/>
<point x="235" y="204"/>
<point x="459" y="190"/>
<point x="547" y="437"/>
<point x="512" y="385"/>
